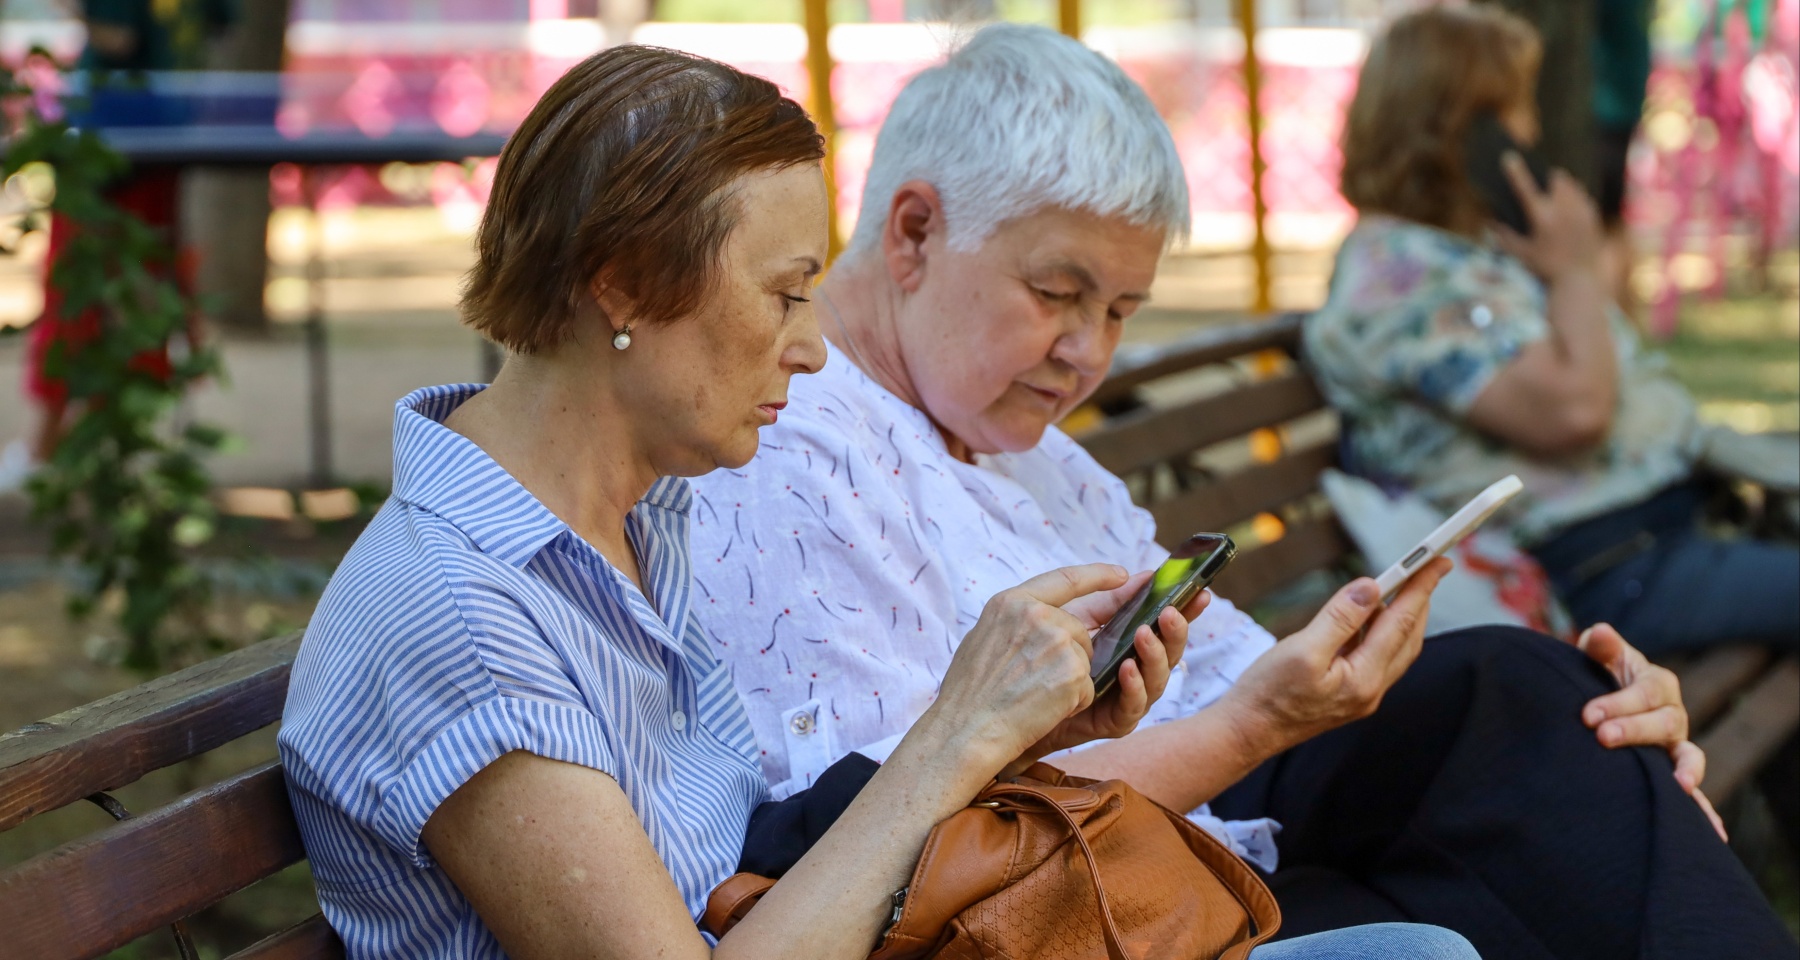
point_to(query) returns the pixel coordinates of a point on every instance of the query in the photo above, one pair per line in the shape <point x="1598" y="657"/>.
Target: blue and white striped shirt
<point x="468" y="622"/>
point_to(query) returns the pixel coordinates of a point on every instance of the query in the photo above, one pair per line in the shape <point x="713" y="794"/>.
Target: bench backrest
<point x="1226" y="432"/>
<point x="107" y="889"/>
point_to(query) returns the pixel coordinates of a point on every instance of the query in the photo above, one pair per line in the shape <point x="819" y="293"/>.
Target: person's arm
<point x="557" y="865"/>
<point x="1315" y="680"/>
<point x="1558" y="395"/>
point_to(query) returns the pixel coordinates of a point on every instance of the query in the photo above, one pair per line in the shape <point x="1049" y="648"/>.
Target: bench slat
<point x="310" y="939"/>
<point x="109" y="743"/>
<point x="1242" y="495"/>
<point x="1709" y="682"/>
<point x="1309" y="546"/>
<point x="1756" y="726"/>
<point x="103" y="891"/>
<point x="1209" y="347"/>
<point x="1150" y="437"/>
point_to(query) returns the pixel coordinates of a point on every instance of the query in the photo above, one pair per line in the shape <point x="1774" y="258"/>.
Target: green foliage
<point x="126" y="494"/>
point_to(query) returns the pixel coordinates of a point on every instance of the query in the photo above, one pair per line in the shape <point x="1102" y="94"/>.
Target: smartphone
<point x="1483" y="145"/>
<point x="1448" y="534"/>
<point x="1188" y="570"/>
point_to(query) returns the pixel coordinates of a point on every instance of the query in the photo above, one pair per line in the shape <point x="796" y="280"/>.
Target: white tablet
<point x="1472" y="515"/>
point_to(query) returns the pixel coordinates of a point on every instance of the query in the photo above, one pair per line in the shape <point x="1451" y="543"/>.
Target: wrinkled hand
<point x="1023" y="668"/>
<point x="1566" y="234"/>
<point x="1334" y="670"/>
<point x="1646" y="711"/>
<point x="1141" y="680"/>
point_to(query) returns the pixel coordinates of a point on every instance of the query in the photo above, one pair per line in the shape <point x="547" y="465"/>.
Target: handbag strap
<point x="1115" y="949"/>
<point x="731" y="900"/>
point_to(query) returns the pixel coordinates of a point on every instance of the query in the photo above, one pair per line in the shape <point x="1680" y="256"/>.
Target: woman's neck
<point x="565" y="442"/>
<point x="862" y="319"/>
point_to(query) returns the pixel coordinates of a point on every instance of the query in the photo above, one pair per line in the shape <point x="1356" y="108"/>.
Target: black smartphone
<point x="1188" y="570"/>
<point x="1483" y="145"/>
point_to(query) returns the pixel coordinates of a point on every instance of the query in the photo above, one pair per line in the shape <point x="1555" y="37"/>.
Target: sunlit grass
<point x="1740" y="355"/>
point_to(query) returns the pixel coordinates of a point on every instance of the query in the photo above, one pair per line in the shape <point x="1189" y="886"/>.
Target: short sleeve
<point x="1449" y="352"/>
<point x="467" y="744"/>
<point x="1421" y="315"/>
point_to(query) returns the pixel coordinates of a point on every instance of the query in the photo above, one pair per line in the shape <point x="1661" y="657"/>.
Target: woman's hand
<point x="1334" y="670"/>
<point x="1646" y="711"/>
<point x="1557" y="397"/>
<point x="1566" y="234"/>
<point x="1023" y="669"/>
<point x="1142" y="680"/>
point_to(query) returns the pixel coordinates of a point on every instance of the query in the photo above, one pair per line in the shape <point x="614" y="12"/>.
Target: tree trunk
<point x="1565" y="93"/>
<point x="227" y="210"/>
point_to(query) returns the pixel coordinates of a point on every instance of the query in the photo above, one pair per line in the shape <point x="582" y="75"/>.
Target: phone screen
<point x="1188" y="570"/>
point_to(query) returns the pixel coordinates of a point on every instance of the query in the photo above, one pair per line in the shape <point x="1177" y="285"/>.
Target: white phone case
<point x="1449" y="533"/>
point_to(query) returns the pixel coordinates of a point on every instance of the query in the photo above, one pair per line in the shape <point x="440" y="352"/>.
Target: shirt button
<point x="802" y="724"/>
<point x="679" y="719"/>
<point x="1481" y="316"/>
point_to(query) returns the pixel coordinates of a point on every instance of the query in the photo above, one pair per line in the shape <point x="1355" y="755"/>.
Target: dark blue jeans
<point x="1667" y="586"/>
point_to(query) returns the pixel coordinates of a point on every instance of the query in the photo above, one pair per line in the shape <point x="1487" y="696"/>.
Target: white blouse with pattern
<point x="837" y="572"/>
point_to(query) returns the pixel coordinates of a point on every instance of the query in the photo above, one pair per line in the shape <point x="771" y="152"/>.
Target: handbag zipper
<point x="894" y="917"/>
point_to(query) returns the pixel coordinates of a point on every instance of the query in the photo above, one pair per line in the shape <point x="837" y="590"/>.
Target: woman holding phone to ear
<point x="1461" y="351"/>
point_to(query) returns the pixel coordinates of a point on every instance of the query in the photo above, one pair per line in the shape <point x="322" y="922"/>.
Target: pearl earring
<point x="622" y="339"/>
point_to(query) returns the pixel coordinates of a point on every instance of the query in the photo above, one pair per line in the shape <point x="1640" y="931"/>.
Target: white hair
<point x="1019" y="119"/>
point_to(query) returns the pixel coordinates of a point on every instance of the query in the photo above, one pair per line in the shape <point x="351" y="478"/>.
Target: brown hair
<point x="620" y="173"/>
<point x="1426" y="78"/>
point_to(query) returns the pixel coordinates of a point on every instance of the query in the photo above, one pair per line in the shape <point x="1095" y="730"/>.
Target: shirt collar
<point x="445" y="473"/>
<point x="441" y="471"/>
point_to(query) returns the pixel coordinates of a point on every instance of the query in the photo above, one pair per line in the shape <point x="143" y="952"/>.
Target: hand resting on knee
<point x="1646" y="711"/>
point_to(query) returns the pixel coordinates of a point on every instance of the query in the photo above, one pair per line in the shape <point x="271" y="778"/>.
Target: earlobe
<point x="914" y="217"/>
<point x="607" y="306"/>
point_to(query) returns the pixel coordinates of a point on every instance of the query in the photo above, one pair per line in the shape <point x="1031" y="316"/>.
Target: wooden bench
<point x="152" y="870"/>
<point x="1217" y="431"/>
<point x="1220" y="433"/>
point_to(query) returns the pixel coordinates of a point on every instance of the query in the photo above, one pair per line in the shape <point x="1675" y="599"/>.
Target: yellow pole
<point x="1068" y="13"/>
<point x="818" y="71"/>
<point x="1259" y="249"/>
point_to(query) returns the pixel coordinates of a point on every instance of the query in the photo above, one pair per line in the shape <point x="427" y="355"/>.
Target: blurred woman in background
<point x="1460" y="351"/>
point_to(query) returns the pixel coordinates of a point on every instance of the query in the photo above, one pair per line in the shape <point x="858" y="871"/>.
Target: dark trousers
<point x="1475" y="799"/>
<point x="1650" y="571"/>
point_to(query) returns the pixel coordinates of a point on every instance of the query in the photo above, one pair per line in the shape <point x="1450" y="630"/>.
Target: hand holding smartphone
<point x="1190" y="568"/>
<point x="1484" y="146"/>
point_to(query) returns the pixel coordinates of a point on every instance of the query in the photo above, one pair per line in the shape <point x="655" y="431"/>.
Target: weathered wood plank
<point x="310" y="939"/>
<point x="103" y="891"/>
<point x="112" y="742"/>
<point x="1753" y="729"/>
<point x="1309" y="546"/>
<point x="1216" y="345"/>
<point x="1709" y="682"/>
<point x="1150" y="437"/>
<point x="1244" y="494"/>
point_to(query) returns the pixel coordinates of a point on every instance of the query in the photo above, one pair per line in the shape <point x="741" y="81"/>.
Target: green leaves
<point x="126" y="494"/>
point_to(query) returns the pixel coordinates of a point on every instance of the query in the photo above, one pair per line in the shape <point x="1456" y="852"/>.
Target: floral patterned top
<point x="1418" y="322"/>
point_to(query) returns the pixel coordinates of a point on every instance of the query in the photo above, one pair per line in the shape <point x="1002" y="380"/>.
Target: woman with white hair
<point x="1019" y="198"/>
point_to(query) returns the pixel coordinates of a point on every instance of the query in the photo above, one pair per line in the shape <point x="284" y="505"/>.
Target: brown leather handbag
<point x="1046" y="866"/>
